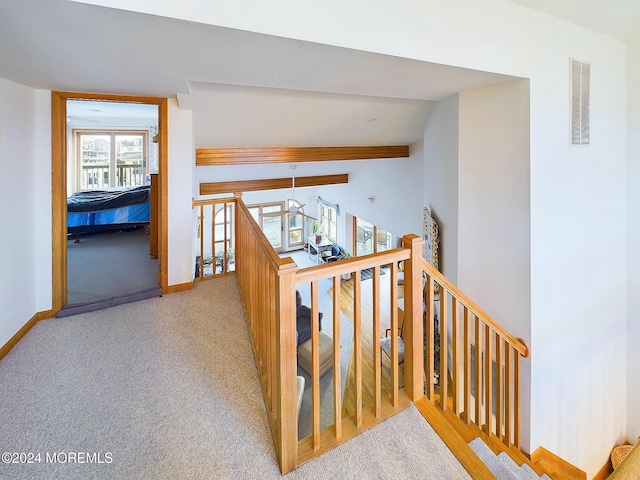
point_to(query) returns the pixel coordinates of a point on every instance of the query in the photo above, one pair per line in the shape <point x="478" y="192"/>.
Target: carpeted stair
<point x="502" y="465"/>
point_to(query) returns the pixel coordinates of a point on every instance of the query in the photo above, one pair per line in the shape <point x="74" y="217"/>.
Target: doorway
<point x="119" y="160"/>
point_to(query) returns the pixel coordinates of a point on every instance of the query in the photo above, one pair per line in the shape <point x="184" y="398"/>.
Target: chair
<point x="385" y="343"/>
<point x="363" y="236"/>
<point x="331" y="255"/>
<point x="381" y="239"/>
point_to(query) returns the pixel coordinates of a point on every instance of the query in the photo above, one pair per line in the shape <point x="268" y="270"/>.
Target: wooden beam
<point x="243" y="156"/>
<point x="214" y="188"/>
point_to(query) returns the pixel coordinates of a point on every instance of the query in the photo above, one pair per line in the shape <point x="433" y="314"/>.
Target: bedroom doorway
<point x="111" y="144"/>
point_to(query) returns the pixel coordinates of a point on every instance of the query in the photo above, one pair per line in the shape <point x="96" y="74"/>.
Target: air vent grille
<point x="580" y="79"/>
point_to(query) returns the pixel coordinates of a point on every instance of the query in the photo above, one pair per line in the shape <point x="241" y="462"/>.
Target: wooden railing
<point x="267" y="289"/>
<point x="215" y="236"/>
<point x="477" y="372"/>
<point x="268" y="284"/>
<point x="379" y="403"/>
<point x="97" y="176"/>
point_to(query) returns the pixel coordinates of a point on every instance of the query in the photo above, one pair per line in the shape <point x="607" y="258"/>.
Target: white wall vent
<point x="580" y="73"/>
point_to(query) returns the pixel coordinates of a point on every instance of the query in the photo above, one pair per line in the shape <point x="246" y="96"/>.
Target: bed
<point x="94" y="211"/>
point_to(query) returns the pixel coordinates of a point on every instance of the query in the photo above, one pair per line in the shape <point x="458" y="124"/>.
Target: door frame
<point x="59" y="186"/>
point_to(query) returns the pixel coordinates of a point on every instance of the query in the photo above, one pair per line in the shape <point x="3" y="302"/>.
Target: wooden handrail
<point x="333" y="269"/>
<point x="517" y="343"/>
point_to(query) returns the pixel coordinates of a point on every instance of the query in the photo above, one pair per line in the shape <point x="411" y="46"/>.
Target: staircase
<point x="485" y="456"/>
<point x="502" y="465"/>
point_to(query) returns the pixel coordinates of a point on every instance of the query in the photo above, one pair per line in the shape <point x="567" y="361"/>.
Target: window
<point x="329" y="222"/>
<point x="110" y="159"/>
<point x="269" y="216"/>
<point x="295" y="227"/>
<point x="368" y="238"/>
<point x="223" y="238"/>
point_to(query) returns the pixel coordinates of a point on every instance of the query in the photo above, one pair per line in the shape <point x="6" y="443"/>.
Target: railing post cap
<point x="412" y="239"/>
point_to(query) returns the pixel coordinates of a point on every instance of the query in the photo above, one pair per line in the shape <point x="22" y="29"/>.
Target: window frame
<point x="330" y="214"/>
<point x="76" y="164"/>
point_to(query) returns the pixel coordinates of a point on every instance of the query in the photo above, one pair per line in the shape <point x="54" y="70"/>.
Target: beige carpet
<point x="167" y="388"/>
<point x="108" y="265"/>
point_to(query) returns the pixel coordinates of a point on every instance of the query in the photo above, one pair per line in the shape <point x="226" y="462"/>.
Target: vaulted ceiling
<point x="245" y="89"/>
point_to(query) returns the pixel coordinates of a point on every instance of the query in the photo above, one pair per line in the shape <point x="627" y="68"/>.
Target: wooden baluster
<point x="455" y="319"/>
<point x="337" y="383"/>
<point x="508" y="411"/>
<point x="429" y="329"/>
<point x="393" y="312"/>
<point x="516" y="399"/>
<point x="478" y="373"/>
<point x="499" y="386"/>
<point x="377" y="390"/>
<point x="357" y="341"/>
<point x="315" y="366"/>
<point x="488" y="381"/>
<point x="467" y="366"/>
<point x="201" y="230"/>
<point x="213" y="238"/>
<point x="443" y="324"/>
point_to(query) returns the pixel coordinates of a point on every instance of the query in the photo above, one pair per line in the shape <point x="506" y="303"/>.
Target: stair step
<point x="523" y="471"/>
<point x="491" y="460"/>
<point x="502" y="465"/>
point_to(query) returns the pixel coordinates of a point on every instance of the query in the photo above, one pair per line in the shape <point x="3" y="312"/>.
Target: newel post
<point x="284" y="388"/>
<point x="413" y="324"/>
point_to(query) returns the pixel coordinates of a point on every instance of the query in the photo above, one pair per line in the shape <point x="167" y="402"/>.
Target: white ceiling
<point x="277" y="89"/>
<point x="616" y="18"/>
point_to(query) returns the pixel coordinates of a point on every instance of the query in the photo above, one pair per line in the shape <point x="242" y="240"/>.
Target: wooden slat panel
<point x="243" y="156"/>
<point x="215" y="188"/>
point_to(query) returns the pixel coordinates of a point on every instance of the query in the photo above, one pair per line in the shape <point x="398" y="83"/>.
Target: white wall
<point x="18" y="194"/>
<point x="394" y="183"/>
<point x="493" y="202"/>
<point x="493" y="211"/>
<point x="181" y="223"/>
<point x="42" y="183"/>
<point x="579" y="301"/>
<point x="633" y="241"/>
<point x="441" y="180"/>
